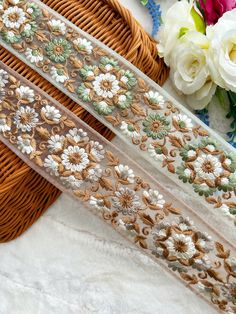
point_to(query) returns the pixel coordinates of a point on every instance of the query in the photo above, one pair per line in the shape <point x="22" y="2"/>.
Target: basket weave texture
<point x="24" y="194"/>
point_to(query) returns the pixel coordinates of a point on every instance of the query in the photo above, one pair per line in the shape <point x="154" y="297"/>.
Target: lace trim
<point x="124" y="99"/>
<point x="79" y="161"/>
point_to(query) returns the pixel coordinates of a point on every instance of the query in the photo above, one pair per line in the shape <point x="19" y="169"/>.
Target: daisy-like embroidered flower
<point x="13" y="17"/>
<point x="29" y="29"/>
<point x="24" y="144"/>
<point x="59" y="74"/>
<point x="3" y="78"/>
<point x="97" y="150"/>
<point x="154" y="99"/>
<point x="74" y="158"/>
<point x="84" y="92"/>
<point x="51" y="113"/>
<point x="154" y="198"/>
<point x="183" y="121"/>
<point x="88" y="72"/>
<point x="26" y="118"/>
<point x="94" y="174"/>
<point x="156" y="126"/>
<point x="103" y="108"/>
<point x="76" y="135"/>
<point x="129" y="130"/>
<point x="5" y="124"/>
<point x="180" y="246"/>
<point x="208" y="167"/>
<point x="226" y="210"/>
<point x="106" y="85"/>
<point x="51" y="165"/>
<point x="55" y="143"/>
<point x="125" y="173"/>
<point x="34" y="55"/>
<point x="156" y="152"/>
<point x="56" y="26"/>
<point x="58" y="49"/>
<point x="124" y="101"/>
<point x="126" y="201"/>
<point x="82" y="45"/>
<point x="10" y="37"/>
<point x="71" y="182"/>
<point x="128" y="78"/>
<point x="25" y="94"/>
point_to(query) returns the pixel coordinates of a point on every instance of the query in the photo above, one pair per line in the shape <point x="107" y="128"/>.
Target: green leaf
<point x="198" y="21"/>
<point x="182" y="31"/>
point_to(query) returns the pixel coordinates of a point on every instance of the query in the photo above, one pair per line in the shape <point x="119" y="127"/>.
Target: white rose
<point x="177" y="18"/>
<point x="189" y="71"/>
<point x="222" y="51"/>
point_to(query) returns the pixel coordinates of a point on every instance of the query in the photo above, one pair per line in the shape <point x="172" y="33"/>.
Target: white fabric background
<point x="71" y="262"/>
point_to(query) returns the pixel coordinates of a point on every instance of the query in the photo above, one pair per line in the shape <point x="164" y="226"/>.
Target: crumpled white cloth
<point x="70" y="262"/>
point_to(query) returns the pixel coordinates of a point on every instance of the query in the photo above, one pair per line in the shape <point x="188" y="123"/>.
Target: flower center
<point x="59" y="49"/>
<point x="207" y="167"/>
<point x="13" y="17"/>
<point x="126" y="200"/>
<point x="25" y="118"/>
<point x="106" y="85"/>
<point x="155" y="126"/>
<point x="232" y="54"/>
<point x="180" y="246"/>
<point x="75" y="158"/>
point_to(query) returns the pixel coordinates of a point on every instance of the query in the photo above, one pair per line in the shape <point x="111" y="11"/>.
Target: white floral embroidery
<point x="55" y="143"/>
<point x="4" y="127"/>
<point x="98" y="203"/>
<point x="57" y="26"/>
<point x="154" y="198"/>
<point x="74" y="158"/>
<point x="3" y="78"/>
<point x="94" y="174"/>
<point x="26" y="118"/>
<point x="13" y="17"/>
<point x="83" y="44"/>
<point x="183" y="121"/>
<point x="71" y="182"/>
<point x="155" y="98"/>
<point x="155" y="153"/>
<point x="2" y="95"/>
<point x="129" y="130"/>
<point x="25" y="93"/>
<point x="106" y="85"/>
<point x="208" y="167"/>
<point x="125" y="173"/>
<point x="76" y="135"/>
<point x="33" y="55"/>
<point x="51" y="165"/>
<point x="126" y="201"/>
<point x="226" y="211"/>
<point x="97" y="150"/>
<point x="24" y="145"/>
<point x="51" y="113"/>
<point x="181" y="246"/>
<point x="59" y="75"/>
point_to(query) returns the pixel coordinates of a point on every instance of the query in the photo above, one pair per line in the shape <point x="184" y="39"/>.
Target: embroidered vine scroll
<point x="124" y="99"/>
<point x="79" y="161"/>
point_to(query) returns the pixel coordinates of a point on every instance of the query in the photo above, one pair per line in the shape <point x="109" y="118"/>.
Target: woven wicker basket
<point x="25" y="195"/>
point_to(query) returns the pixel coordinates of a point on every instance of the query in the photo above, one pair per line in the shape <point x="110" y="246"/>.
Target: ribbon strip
<point x="124" y="99"/>
<point x="79" y="161"/>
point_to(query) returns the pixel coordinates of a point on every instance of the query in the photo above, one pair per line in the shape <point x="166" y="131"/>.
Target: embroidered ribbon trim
<point x="124" y="99"/>
<point x="79" y="161"/>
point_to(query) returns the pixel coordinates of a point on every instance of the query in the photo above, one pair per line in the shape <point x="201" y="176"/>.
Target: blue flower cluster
<point x="155" y="12"/>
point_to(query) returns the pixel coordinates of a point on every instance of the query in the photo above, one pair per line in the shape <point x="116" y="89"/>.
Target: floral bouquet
<point x="198" y="42"/>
